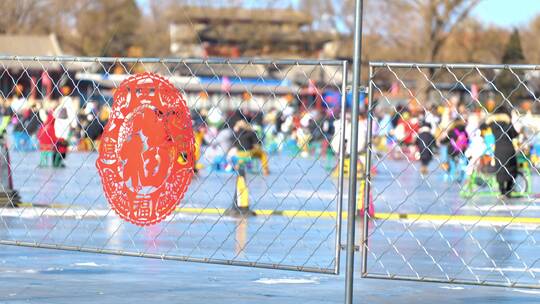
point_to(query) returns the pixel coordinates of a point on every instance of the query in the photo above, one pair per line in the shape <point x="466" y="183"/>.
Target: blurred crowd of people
<point x="227" y="138"/>
<point x="492" y="137"/>
<point x="56" y="127"/>
<point x="495" y="138"/>
<point x="52" y="126"/>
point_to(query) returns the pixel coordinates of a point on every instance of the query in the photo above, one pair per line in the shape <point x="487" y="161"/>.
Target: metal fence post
<point x="367" y="187"/>
<point x="341" y="165"/>
<point x="351" y="211"/>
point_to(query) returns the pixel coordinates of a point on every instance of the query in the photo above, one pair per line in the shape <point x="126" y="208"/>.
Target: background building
<point x="234" y="32"/>
<point x="35" y="78"/>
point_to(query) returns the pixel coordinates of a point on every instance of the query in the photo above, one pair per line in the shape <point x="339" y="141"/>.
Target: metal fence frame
<point x="342" y="65"/>
<point x="368" y="158"/>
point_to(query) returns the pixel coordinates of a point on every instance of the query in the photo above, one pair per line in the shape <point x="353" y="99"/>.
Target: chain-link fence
<point x="265" y="140"/>
<point x="453" y="174"/>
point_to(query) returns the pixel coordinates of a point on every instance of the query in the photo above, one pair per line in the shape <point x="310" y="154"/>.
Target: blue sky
<point x="508" y="13"/>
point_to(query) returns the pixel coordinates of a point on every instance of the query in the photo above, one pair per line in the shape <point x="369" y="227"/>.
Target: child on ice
<point x="426" y="145"/>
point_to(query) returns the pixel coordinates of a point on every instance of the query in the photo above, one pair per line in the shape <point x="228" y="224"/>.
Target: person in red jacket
<point x="406" y="132"/>
<point x="47" y="141"/>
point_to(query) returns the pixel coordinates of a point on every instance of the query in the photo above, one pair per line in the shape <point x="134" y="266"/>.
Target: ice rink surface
<point x="471" y="250"/>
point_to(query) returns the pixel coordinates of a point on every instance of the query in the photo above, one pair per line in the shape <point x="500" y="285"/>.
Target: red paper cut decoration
<point x="146" y="156"/>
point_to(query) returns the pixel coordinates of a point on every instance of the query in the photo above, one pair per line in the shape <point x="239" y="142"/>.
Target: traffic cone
<point x="346" y="165"/>
<point x="360" y="201"/>
<point x="240" y="205"/>
<point x="9" y="197"/>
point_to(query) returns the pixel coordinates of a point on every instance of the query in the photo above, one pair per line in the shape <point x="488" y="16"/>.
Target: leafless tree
<point x="530" y="41"/>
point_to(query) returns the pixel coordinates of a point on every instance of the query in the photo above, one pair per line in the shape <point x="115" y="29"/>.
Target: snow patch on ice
<point x="88" y="264"/>
<point x="269" y="281"/>
<point x="527" y="291"/>
<point x="452" y="287"/>
<point x="507" y="269"/>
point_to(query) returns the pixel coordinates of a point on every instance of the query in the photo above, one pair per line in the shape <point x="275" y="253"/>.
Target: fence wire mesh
<point x="455" y="159"/>
<point x="54" y="111"/>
